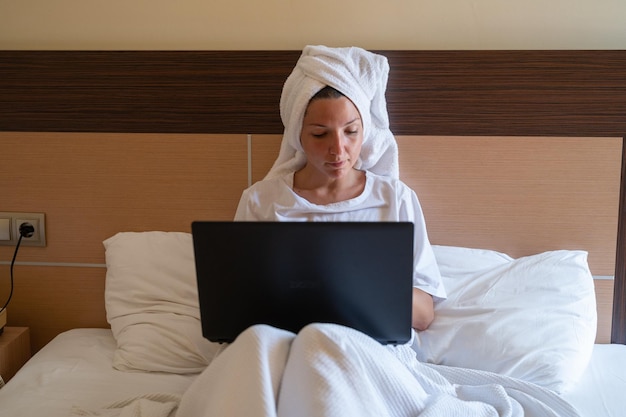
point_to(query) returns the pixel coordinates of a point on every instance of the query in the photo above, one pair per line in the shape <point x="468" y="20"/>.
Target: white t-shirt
<point x="383" y="199"/>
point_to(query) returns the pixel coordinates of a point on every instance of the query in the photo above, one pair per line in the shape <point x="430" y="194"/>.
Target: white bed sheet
<point x="601" y="391"/>
<point x="75" y="370"/>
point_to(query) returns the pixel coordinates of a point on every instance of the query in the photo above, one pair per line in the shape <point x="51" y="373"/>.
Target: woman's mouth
<point x="336" y="164"/>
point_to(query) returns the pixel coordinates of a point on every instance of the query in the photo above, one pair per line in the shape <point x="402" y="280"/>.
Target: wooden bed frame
<point x="564" y="94"/>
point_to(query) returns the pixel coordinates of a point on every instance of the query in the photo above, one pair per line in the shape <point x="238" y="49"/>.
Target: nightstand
<point x="14" y="350"/>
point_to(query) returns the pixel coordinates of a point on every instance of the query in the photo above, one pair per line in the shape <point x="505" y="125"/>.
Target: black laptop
<point x="290" y="274"/>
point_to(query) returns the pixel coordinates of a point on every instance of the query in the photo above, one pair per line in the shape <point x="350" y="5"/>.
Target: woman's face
<point x="332" y="135"/>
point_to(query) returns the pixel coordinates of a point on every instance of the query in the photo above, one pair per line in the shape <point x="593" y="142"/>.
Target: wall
<point x="291" y="24"/>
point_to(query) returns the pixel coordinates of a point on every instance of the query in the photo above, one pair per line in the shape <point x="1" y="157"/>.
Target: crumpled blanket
<point x="330" y="370"/>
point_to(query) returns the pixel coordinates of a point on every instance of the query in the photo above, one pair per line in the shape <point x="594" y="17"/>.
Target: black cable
<point x="12" y="263"/>
<point x="26" y="230"/>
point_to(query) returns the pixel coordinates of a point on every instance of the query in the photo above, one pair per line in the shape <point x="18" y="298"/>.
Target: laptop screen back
<point x="290" y="274"/>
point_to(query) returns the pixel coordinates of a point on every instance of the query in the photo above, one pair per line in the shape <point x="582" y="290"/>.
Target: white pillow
<point x="532" y="318"/>
<point x="152" y="303"/>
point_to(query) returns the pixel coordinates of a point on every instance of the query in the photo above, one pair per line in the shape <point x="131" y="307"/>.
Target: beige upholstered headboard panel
<point x="519" y="195"/>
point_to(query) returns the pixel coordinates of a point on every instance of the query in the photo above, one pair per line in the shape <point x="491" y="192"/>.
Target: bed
<point x="516" y="157"/>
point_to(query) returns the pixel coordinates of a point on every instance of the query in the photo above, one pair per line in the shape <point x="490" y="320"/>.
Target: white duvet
<point x="329" y="370"/>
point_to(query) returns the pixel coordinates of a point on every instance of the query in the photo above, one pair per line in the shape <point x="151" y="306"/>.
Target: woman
<point x="338" y="162"/>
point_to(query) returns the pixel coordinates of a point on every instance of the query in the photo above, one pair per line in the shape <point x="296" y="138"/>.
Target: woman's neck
<point x="326" y="190"/>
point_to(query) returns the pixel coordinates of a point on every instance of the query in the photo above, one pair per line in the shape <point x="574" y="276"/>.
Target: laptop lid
<point x="290" y="274"/>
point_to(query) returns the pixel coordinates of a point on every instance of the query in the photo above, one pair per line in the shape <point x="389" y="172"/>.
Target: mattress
<point x="75" y="370"/>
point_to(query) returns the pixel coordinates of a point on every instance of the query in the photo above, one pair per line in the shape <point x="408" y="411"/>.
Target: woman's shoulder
<point x="383" y="181"/>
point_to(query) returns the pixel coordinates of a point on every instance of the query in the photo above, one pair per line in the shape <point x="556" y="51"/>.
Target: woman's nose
<point x="336" y="144"/>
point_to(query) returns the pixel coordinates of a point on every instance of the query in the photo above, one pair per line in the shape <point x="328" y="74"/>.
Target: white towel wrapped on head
<point x="362" y="77"/>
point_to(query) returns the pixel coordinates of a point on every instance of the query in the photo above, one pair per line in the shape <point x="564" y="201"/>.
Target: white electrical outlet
<point x="5" y="229"/>
<point x="16" y="219"/>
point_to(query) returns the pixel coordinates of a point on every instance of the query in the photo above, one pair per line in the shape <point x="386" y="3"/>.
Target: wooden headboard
<point x="95" y="123"/>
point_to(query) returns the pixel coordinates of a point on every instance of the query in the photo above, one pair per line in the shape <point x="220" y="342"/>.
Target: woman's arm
<point x="423" y="309"/>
